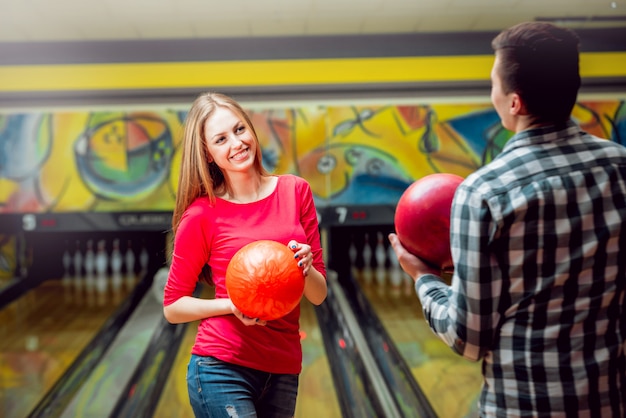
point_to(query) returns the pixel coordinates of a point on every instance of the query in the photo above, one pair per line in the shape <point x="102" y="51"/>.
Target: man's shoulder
<point x="488" y="173"/>
<point x="609" y="144"/>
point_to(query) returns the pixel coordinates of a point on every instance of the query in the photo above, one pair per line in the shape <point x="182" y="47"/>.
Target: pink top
<point x="213" y="233"/>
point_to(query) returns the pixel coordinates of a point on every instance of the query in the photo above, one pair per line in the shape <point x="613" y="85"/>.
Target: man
<point x="538" y="239"/>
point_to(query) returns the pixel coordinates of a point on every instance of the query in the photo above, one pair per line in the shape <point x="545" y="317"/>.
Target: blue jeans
<point x="223" y="390"/>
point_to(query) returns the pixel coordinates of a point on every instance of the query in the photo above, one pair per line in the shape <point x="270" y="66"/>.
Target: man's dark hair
<point x="539" y="61"/>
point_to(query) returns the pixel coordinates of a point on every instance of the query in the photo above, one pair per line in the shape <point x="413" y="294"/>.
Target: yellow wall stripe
<point x="277" y="72"/>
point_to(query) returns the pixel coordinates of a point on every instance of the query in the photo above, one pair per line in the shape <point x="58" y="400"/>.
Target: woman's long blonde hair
<point x="197" y="176"/>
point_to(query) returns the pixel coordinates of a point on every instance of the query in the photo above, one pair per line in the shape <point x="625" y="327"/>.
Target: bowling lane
<point x="316" y="381"/>
<point x="450" y="382"/>
<point x="46" y="329"/>
<point x="316" y="395"/>
<point x="363" y="254"/>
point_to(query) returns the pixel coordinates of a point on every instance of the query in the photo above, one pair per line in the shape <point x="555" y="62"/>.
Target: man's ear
<point x="517" y="106"/>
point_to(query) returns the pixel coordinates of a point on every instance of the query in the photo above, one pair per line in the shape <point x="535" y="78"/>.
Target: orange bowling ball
<point x="264" y="281"/>
<point x="422" y="218"/>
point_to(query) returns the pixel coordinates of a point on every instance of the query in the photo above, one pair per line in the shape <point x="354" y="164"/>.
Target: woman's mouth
<point x="241" y="155"/>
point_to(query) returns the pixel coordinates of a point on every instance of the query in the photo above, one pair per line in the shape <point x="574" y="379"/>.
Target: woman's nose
<point x="236" y="141"/>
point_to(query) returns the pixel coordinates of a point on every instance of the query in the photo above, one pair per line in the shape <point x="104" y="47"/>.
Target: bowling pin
<point x="102" y="259"/>
<point x="67" y="263"/>
<point x="352" y="254"/>
<point x="367" y="252"/>
<point x="381" y="258"/>
<point x="90" y="259"/>
<point x="78" y="261"/>
<point x="129" y="258"/>
<point x="144" y="258"/>
<point x="102" y="264"/>
<point x="368" y="274"/>
<point x="116" y="258"/>
<point x="379" y="252"/>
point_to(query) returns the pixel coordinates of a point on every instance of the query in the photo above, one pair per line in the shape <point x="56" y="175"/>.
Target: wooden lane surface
<point x="43" y="332"/>
<point x="316" y="396"/>
<point x="450" y="382"/>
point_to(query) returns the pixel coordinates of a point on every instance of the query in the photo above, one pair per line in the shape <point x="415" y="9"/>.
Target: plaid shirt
<point x="538" y="238"/>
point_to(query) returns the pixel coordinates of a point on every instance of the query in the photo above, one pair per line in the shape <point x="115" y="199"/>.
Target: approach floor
<point x="450" y="382"/>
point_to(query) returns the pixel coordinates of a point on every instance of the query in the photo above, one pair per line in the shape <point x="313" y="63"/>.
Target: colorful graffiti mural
<point x="129" y="161"/>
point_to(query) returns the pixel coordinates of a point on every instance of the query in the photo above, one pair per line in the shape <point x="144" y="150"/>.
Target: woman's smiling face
<point x="229" y="141"/>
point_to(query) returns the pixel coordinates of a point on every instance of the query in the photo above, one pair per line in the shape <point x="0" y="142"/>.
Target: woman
<point x="239" y="366"/>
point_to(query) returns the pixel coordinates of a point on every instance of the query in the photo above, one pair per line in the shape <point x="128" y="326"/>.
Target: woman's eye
<point x="219" y="139"/>
<point x="240" y="129"/>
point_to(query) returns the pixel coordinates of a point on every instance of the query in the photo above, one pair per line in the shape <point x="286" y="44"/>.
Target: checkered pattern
<point x="538" y="238"/>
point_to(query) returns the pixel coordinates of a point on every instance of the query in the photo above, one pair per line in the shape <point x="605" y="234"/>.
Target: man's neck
<point x="524" y="123"/>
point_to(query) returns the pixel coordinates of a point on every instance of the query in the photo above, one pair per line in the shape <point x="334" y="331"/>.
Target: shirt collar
<point x="543" y="134"/>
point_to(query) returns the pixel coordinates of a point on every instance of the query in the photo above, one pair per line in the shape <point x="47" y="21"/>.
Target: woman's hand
<point x="246" y="320"/>
<point x="302" y="254"/>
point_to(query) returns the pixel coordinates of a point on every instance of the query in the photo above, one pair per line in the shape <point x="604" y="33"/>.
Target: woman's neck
<point x="246" y="189"/>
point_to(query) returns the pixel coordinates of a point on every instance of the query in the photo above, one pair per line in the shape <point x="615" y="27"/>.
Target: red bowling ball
<point x="422" y="218"/>
<point x="264" y="281"/>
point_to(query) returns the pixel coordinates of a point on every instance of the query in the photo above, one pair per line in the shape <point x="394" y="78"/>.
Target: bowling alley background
<point x="125" y="161"/>
<point x="90" y="131"/>
<point x="90" y="152"/>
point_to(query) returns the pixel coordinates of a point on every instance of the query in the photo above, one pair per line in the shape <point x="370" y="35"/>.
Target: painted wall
<point x="68" y="162"/>
<point x="109" y="161"/>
